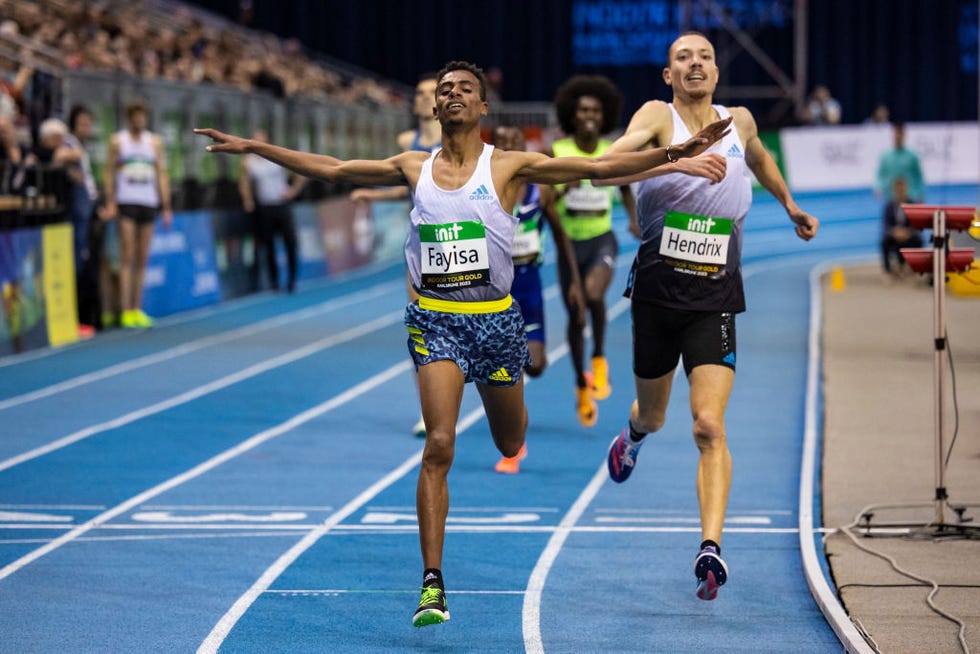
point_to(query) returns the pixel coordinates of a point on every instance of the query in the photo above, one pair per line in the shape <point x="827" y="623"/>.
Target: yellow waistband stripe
<point x="449" y="306"/>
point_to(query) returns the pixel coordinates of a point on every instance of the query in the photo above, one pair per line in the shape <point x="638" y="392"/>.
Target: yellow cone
<point x="837" y="281"/>
<point x="974" y="229"/>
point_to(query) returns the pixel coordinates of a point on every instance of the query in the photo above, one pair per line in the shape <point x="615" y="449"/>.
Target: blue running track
<point x="242" y="478"/>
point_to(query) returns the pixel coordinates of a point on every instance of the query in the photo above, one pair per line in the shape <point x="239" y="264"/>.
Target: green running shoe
<point x="432" y="607"/>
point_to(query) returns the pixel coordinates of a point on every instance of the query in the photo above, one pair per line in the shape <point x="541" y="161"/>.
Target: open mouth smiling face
<point x="457" y="94"/>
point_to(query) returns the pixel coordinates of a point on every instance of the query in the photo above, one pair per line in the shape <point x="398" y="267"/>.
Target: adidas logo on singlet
<point x="481" y="194"/>
<point x="735" y="152"/>
<point x="501" y="376"/>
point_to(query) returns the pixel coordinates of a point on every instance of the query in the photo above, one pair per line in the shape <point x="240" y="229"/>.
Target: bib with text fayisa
<point x="454" y="255"/>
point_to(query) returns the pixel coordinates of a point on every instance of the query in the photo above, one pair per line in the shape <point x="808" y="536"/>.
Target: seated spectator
<point x="821" y="108"/>
<point x="897" y="232"/>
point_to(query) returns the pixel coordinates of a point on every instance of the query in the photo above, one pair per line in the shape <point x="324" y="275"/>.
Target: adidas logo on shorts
<point x="501" y="376"/>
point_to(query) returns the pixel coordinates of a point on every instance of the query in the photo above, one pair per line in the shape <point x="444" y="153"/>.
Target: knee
<point x="439" y="451"/>
<point x="709" y="432"/>
<point x="535" y="370"/>
<point x="647" y="420"/>
<point x="538" y="363"/>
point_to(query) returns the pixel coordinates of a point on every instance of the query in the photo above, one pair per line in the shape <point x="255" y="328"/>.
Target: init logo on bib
<point x="454" y="255"/>
<point x="694" y="244"/>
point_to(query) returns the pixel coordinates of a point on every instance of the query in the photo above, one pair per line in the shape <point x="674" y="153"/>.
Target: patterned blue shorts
<point x="489" y="348"/>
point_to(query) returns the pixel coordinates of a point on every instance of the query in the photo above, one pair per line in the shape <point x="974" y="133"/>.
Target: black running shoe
<point x="432" y="607"/>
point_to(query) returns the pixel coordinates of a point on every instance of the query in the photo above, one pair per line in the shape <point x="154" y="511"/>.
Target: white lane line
<point x="199" y="344"/>
<point x="253" y="442"/>
<point x="202" y="313"/>
<point x="532" y="600"/>
<point x="355" y="591"/>
<point x="531" y="612"/>
<point x="224" y="626"/>
<point x="734" y="520"/>
<point x="216" y="385"/>
<point x="231" y="507"/>
<point x="161" y="537"/>
<point x="825" y="597"/>
<point x="54" y="507"/>
<point x="473" y="509"/>
<point x="413" y="529"/>
<point x="667" y="512"/>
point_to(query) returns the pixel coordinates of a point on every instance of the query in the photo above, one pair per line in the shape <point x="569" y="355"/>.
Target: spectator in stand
<point x="182" y="47"/>
<point x="12" y="156"/>
<point x="266" y="197"/>
<point x="137" y="188"/>
<point x="880" y="116"/>
<point x="897" y="233"/>
<point x="84" y="196"/>
<point x="53" y="149"/>
<point x="822" y="108"/>
<point x="900" y="162"/>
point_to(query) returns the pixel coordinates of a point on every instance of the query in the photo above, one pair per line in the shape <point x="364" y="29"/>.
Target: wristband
<point x="674" y="160"/>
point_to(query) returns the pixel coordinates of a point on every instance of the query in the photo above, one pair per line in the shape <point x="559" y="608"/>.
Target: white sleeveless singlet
<point x="459" y="242"/>
<point x="136" y="178"/>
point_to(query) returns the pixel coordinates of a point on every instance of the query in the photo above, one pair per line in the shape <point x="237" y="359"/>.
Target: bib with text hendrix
<point x="696" y="245"/>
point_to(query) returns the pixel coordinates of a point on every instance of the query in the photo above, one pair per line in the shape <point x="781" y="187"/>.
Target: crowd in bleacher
<point x="172" y="42"/>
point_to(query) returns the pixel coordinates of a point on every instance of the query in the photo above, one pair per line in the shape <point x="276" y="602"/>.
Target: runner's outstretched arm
<point x="388" y="172"/>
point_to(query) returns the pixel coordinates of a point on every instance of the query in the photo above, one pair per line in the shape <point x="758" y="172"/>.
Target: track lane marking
<point x="206" y="389"/>
<point x="198" y="470"/>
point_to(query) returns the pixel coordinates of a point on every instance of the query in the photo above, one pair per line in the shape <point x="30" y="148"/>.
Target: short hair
<point x="52" y="127"/>
<point x="473" y="69"/>
<point x="596" y="86"/>
<point x="75" y="112"/>
<point x="425" y="77"/>
<point x="136" y="106"/>
<point x="687" y="33"/>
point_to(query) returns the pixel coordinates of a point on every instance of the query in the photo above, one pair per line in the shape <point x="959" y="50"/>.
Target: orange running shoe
<point x="511" y="465"/>
<point x="586" y="407"/>
<point x="600" y="378"/>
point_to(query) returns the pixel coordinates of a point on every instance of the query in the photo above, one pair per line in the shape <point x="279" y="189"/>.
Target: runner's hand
<point x="224" y="142"/>
<point x="806" y="225"/>
<point x="702" y="140"/>
<point x="708" y="164"/>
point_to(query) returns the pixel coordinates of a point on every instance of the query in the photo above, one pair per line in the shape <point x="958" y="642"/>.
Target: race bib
<point x="454" y="255"/>
<point x="697" y="245"/>
<point x="527" y="240"/>
<point x="587" y="199"/>
<point x="138" y="172"/>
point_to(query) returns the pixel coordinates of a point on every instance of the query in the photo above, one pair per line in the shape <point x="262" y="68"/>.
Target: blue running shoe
<point x="432" y="607"/>
<point x="711" y="571"/>
<point x="622" y="457"/>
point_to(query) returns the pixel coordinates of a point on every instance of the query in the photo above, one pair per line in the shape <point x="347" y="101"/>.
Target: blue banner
<point x="22" y="310"/>
<point x="182" y="272"/>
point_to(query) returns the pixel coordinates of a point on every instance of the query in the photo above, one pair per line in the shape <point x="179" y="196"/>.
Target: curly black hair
<point x="596" y="86"/>
<point x="470" y="68"/>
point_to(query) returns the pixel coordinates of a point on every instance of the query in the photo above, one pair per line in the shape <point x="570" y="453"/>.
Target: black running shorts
<point x="138" y="213"/>
<point x="662" y="336"/>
